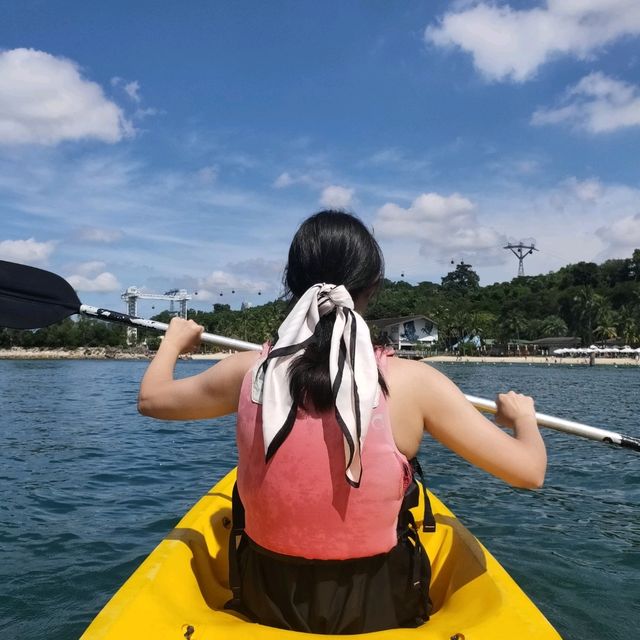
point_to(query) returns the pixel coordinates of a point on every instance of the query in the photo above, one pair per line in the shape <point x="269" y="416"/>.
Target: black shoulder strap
<point x="428" y="521"/>
<point x="237" y="529"/>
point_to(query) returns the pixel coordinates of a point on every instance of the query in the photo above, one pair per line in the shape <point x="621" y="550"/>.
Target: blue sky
<point x="180" y="144"/>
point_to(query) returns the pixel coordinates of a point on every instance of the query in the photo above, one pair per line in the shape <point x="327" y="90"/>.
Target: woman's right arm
<point x="212" y="393"/>
<point x="519" y="459"/>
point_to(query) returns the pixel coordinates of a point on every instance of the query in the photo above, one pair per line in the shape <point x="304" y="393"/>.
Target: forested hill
<point x="591" y="301"/>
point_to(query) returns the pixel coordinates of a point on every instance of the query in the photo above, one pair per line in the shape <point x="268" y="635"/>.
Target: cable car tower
<point x="133" y="294"/>
<point x="521" y="250"/>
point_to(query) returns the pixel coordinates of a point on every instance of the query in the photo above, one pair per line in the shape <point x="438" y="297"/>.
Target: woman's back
<point x="299" y="504"/>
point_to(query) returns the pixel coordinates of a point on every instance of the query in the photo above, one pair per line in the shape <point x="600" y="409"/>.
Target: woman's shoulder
<point x="236" y="365"/>
<point x="417" y="378"/>
<point x="405" y="367"/>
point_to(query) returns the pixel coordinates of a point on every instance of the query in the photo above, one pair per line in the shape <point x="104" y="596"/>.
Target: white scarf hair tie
<point x="353" y="372"/>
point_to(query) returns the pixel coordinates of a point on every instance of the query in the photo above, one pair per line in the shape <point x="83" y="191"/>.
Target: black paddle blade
<point x="31" y="298"/>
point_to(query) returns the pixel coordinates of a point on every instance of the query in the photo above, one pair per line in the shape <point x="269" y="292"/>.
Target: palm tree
<point x="606" y="328"/>
<point x="446" y="329"/>
<point x="512" y="325"/>
<point x="628" y="325"/>
<point x="587" y="307"/>
<point x="554" y="326"/>
<point x="482" y="324"/>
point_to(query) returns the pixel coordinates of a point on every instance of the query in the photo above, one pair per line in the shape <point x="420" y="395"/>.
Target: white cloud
<point x="26" y="251"/>
<point x="283" y="180"/>
<point x="597" y="104"/>
<point x="389" y="156"/>
<point x="395" y="159"/>
<point x="445" y="226"/>
<point x="45" y="100"/>
<point x="336" y="196"/>
<point x="286" y="179"/>
<point x="98" y="234"/>
<point x="240" y="279"/>
<point x="227" y="283"/>
<point x="104" y="282"/>
<point x="91" y="268"/>
<point x="511" y="44"/>
<point x="589" y="190"/>
<point x="576" y="220"/>
<point x="623" y="233"/>
<point x="132" y="89"/>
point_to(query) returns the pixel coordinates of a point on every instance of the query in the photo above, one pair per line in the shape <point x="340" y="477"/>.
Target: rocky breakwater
<point x="80" y="353"/>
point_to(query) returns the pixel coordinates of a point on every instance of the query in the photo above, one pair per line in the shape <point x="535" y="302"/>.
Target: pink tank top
<point x="300" y="504"/>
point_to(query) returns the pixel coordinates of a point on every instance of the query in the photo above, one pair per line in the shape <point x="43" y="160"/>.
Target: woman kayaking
<point x="326" y="427"/>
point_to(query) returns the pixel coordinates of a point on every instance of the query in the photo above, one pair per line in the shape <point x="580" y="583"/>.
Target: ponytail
<point x="330" y="247"/>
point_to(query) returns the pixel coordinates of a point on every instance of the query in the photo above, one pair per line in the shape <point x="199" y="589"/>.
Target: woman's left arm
<point x="214" y="392"/>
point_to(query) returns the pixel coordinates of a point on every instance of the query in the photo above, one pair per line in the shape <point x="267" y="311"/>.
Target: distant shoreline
<point x="92" y="353"/>
<point x="111" y="353"/>
<point x="548" y="360"/>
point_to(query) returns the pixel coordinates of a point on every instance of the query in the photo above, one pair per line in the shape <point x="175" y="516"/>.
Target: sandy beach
<point x="211" y="356"/>
<point x="548" y="360"/>
<point x="111" y="353"/>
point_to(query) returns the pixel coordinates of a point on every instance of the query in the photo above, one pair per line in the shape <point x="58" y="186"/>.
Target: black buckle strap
<point x="428" y="521"/>
<point x="237" y="519"/>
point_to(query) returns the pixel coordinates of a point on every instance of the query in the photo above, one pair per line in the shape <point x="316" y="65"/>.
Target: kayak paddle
<point x="31" y="298"/>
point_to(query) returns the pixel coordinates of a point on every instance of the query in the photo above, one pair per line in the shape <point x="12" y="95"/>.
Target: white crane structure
<point x="133" y="294"/>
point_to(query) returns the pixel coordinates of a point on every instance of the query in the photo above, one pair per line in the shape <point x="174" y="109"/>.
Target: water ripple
<point x="90" y="487"/>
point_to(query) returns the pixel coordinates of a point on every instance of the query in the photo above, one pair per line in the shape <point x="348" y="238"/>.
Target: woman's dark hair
<point x="332" y="247"/>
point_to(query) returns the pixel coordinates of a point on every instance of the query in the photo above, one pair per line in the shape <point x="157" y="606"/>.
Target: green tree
<point x="582" y="274"/>
<point x="587" y="307"/>
<point x="482" y="324"/>
<point x="554" y="326"/>
<point x="634" y="267"/>
<point x="512" y="326"/>
<point x="462" y="280"/>
<point x="629" y="324"/>
<point x="606" y="328"/>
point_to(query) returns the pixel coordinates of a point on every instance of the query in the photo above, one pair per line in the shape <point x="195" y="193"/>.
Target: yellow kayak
<point x="179" y="591"/>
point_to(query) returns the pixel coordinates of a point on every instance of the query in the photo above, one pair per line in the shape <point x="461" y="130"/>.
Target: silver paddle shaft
<point x="133" y="321"/>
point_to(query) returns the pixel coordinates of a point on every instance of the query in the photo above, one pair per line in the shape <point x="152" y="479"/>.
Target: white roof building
<point x="406" y="332"/>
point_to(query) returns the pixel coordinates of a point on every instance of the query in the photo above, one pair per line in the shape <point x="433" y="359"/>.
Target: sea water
<point x="88" y="487"/>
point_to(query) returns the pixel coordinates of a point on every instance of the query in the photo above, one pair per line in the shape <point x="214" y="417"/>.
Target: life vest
<point x="299" y="504"/>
